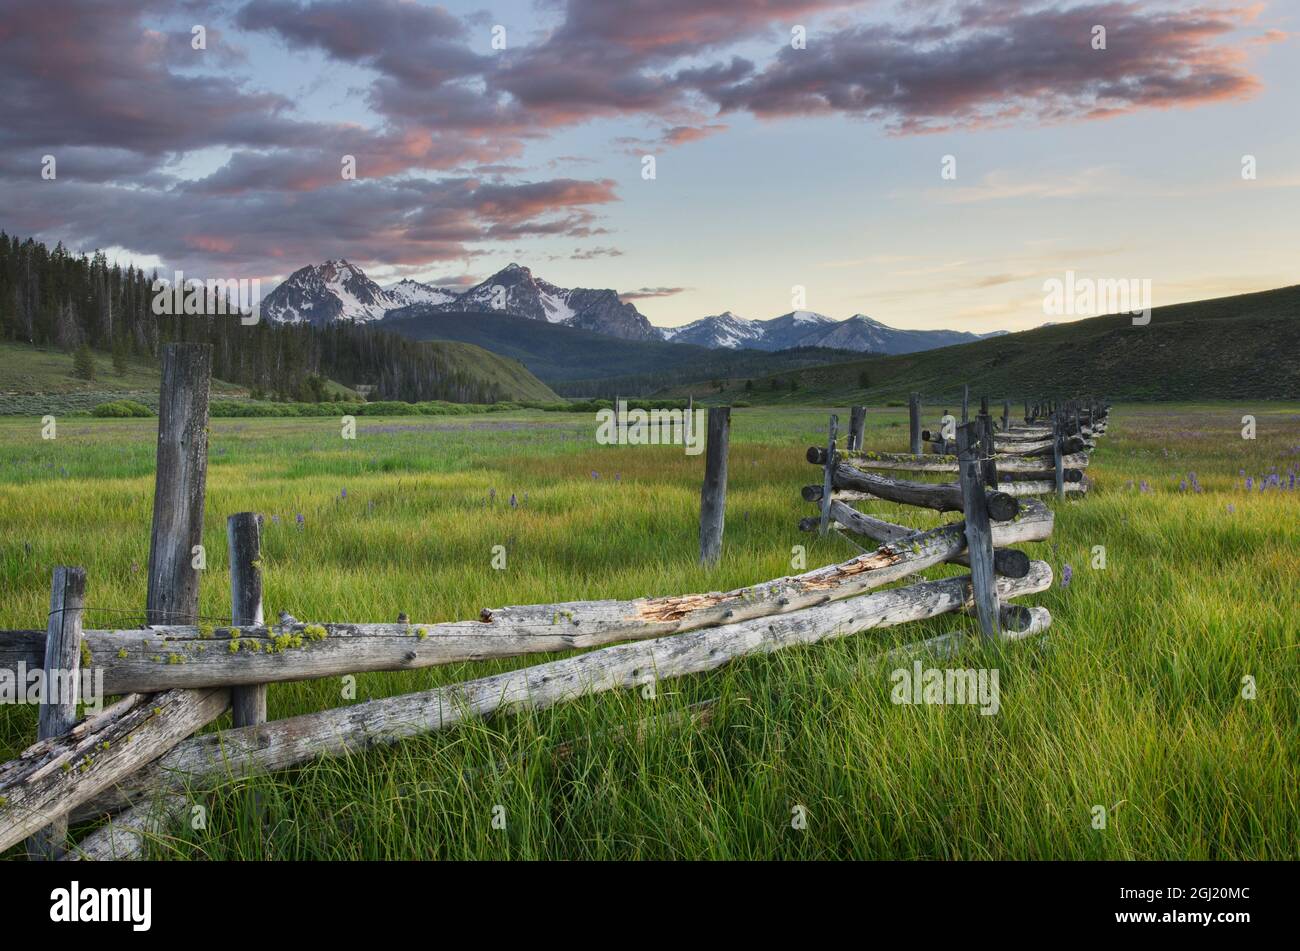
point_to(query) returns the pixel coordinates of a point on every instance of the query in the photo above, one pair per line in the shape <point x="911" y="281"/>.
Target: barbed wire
<point x="144" y="615"/>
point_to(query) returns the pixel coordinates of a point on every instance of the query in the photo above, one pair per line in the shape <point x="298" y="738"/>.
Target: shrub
<point x="122" y="409"/>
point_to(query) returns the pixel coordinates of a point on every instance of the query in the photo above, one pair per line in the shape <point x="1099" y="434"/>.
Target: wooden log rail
<point x="54" y="776"/>
<point x="1033" y="525"/>
<point x="1020" y="448"/>
<point x="942" y="462"/>
<point x="940" y="496"/>
<point x="343" y="730"/>
<point x="170" y="656"/>
<point x="1018" y="488"/>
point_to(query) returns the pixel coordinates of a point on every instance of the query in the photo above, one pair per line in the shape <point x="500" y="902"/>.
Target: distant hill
<point x="1247" y="346"/>
<point x="563" y="355"/>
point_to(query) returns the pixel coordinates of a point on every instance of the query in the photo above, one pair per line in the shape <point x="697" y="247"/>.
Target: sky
<point x="928" y="164"/>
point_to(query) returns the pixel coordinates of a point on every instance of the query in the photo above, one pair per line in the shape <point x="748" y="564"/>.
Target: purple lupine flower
<point x="1231" y="508"/>
<point x="1291" y="481"/>
<point x="275" y="520"/>
<point x="1066" y="574"/>
<point x="618" y="476"/>
<point x="514" y="502"/>
<point x="1249" y="483"/>
<point x="1143" y="486"/>
<point x="595" y="474"/>
<point x="343" y="494"/>
<point x="1182" y="486"/>
<point x="300" y="519"/>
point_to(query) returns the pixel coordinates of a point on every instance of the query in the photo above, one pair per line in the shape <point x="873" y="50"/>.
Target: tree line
<point x="55" y="298"/>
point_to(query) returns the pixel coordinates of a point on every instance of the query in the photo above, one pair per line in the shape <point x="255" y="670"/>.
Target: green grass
<point x="1242" y="347"/>
<point x="1131" y="701"/>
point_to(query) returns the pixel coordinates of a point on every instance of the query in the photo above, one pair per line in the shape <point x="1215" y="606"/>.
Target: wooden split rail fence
<point x="131" y="764"/>
<point x="998" y="469"/>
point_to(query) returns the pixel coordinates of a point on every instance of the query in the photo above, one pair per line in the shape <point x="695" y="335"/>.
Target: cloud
<point x="588" y="254"/>
<point x="997" y="62"/>
<point x="405" y="222"/>
<point x="114" y="90"/>
<point x="645" y="293"/>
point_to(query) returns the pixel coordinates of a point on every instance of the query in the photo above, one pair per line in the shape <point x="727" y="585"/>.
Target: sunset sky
<point x="775" y="166"/>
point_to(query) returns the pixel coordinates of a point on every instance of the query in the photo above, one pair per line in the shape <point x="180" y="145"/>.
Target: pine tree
<point x="83" y="363"/>
<point x="119" y="356"/>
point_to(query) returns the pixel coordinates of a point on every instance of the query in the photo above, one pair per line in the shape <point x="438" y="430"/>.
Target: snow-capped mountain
<point x="720" y="330"/>
<point x="321" y="293"/>
<point x="337" y="290"/>
<point x="805" y="328"/>
<point x="516" y="290"/>
<point x="793" y="329"/>
<point x="406" y="292"/>
<point x="861" y="332"/>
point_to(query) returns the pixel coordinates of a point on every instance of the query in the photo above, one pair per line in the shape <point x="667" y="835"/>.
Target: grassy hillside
<point x="27" y="369"/>
<point x="1246" y="346"/>
<point x="582" y="363"/>
<point x="30" y="376"/>
<point x="514" y="378"/>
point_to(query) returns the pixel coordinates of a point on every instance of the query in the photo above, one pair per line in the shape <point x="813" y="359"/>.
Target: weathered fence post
<point x="979" y="537"/>
<point x="713" y="495"/>
<point x="244" y="539"/>
<point x="857" y="426"/>
<point x="965" y="403"/>
<point x="179" y="483"/>
<point x="62" y="688"/>
<point x="1028" y="418"/>
<point x="1006" y="415"/>
<point x="828" y="481"/>
<point x="988" y="468"/>
<point x="1058" y="457"/>
<point x="914" y="421"/>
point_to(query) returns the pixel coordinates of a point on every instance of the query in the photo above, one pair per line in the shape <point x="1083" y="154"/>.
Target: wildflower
<point x="595" y="474"/>
<point x="275" y="520"/>
<point x="1231" y="508"/>
<point x="1066" y="574"/>
<point x="492" y="495"/>
<point x="1249" y="483"/>
<point x="1182" y="486"/>
<point x="343" y="494"/>
<point x="300" y="520"/>
<point x="514" y="503"/>
<point x="1143" y="486"/>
